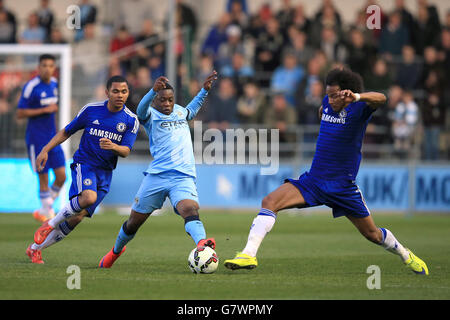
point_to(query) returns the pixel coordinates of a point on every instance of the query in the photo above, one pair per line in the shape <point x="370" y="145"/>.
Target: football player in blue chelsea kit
<point x="109" y="131"/>
<point x="344" y="114"/>
<point x="39" y="104"/>
<point x="172" y="172"/>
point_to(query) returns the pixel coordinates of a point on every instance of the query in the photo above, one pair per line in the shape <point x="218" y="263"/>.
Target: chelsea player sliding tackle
<point x="172" y="172"/>
<point x="344" y="116"/>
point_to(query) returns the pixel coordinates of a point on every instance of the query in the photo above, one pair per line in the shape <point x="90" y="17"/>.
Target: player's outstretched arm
<point x="144" y="104"/>
<point x="199" y="99"/>
<point x="57" y="139"/>
<point x="373" y="99"/>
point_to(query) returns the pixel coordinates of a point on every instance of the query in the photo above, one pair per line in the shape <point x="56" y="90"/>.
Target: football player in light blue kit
<point x="172" y="172"/>
<point x="109" y="131"/>
<point x="344" y="114"/>
<point x="39" y="103"/>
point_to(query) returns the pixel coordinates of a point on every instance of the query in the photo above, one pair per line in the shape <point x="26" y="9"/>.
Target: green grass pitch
<point x="304" y="257"/>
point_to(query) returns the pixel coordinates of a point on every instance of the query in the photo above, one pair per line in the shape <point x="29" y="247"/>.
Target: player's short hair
<point x="115" y="79"/>
<point x="345" y="79"/>
<point x="168" y="87"/>
<point x="46" y="56"/>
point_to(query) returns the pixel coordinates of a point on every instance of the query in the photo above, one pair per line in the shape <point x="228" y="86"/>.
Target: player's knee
<point x="268" y="202"/>
<point x="87" y="198"/>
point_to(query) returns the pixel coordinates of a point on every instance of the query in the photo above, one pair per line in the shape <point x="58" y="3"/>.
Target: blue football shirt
<point x="98" y="122"/>
<point x="39" y="94"/>
<point x="338" y="148"/>
<point x="169" y="135"/>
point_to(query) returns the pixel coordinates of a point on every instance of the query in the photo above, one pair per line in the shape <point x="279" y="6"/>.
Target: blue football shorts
<point x="55" y="156"/>
<point x="85" y="177"/>
<point x="343" y="196"/>
<point x="155" y="188"/>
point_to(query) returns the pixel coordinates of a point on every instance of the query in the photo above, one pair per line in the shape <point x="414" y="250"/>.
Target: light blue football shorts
<point x="155" y="188"/>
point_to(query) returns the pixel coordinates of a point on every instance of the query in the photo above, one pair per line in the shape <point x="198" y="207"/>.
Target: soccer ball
<point x="203" y="260"/>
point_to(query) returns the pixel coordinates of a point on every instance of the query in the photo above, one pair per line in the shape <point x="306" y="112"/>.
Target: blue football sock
<point x="194" y="227"/>
<point x="122" y="239"/>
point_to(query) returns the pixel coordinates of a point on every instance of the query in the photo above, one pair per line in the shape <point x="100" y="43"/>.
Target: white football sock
<point x="46" y="203"/>
<point x="391" y="244"/>
<point x="65" y="213"/>
<point x="54" y="191"/>
<point x="262" y="224"/>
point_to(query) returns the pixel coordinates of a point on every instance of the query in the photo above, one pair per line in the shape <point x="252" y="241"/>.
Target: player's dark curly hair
<point x="345" y="79"/>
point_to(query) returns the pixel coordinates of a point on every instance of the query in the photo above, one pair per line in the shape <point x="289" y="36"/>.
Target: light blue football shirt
<point x="169" y="135"/>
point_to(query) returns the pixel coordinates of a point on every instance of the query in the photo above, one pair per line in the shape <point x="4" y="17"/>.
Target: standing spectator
<point x="203" y="69"/>
<point x="287" y="77"/>
<point x="88" y="16"/>
<point x="238" y="14"/>
<point x="216" y="36"/>
<point x="433" y="115"/>
<point x="280" y="116"/>
<point x="331" y="46"/>
<point x="404" y="125"/>
<point x="134" y="14"/>
<point x="431" y="63"/>
<point x="11" y="18"/>
<point x="121" y="40"/>
<point x="308" y="111"/>
<point x="6" y="29"/>
<point x="425" y="31"/>
<point x="379" y="78"/>
<point x="148" y="34"/>
<point x="250" y="105"/>
<point x="34" y="33"/>
<point x="409" y="70"/>
<point x="326" y="17"/>
<point x="304" y="88"/>
<point x="186" y="18"/>
<point x="285" y="15"/>
<point x="300" y="21"/>
<point x="359" y="54"/>
<point x="222" y="106"/>
<point x="444" y="58"/>
<point x="268" y="51"/>
<point x="46" y="17"/>
<point x="394" y="36"/>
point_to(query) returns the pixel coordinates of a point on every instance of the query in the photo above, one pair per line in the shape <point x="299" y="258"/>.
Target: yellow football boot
<point x="416" y="264"/>
<point x="241" y="261"/>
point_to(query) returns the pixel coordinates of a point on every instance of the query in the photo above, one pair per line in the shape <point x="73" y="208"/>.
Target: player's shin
<point x="262" y="224"/>
<point x="54" y="191"/>
<point x="56" y="235"/>
<point x="390" y="243"/>
<point x="194" y="227"/>
<point x="122" y="238"/>
<point x="72" y="208"/>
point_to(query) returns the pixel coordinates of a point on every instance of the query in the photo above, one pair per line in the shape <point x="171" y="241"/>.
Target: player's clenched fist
<point x="106" y="144"/>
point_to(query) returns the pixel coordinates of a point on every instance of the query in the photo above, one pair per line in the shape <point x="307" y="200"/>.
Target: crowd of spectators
<point x="272" y="64"/>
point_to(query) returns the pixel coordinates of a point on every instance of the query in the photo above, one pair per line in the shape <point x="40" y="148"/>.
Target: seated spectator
<point x="326" y="17"/>
<point x="404" y="125"/>
<point x="6" y="29"/>
<point x="148" y="34"/>
<point x="250" y="105"/>
<point x="394" y="36"/>
<point x="431" y="63"/>
<point x="285" y="14"/>
<point x="308" y="112"/>
<point x="34" y="33"/>
<point x="280" y="115"/>
<point x="204" y="68"/>
<point x="287" y="77"/>
<point x="56" y="37"/>
<point x="331" y="46"/>
<point x="228" y="48"/>
<point x="238" y="15"/>
<point x="238" y="71"/>
<point x="425" y="31"/>
<point x="156" y="66"/>
<point x="300" y="21"/>
<point x="379" y="78"/>
<point x="222" y="106"/>
<point x="304" y="87"/>
<point x="409" y="69"/>
<point x="216" y="36"/>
